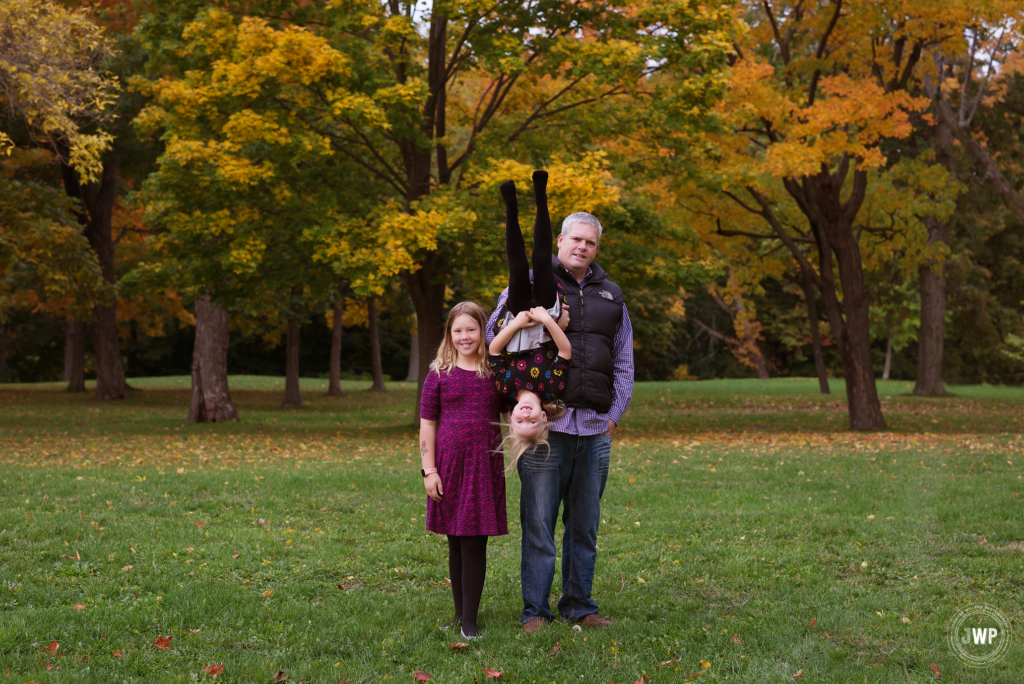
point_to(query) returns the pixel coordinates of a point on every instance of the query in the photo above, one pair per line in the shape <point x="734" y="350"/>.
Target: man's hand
<point x="432" y="483"/>
<point x="611" y="428"/>
<point x="563" y="320"/>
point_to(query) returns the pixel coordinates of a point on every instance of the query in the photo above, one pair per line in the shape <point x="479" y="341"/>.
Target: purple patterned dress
<point x="467" y="454"/>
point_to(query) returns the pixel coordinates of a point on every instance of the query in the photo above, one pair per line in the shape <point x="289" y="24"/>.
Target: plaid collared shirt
<point x="585" y="422"/>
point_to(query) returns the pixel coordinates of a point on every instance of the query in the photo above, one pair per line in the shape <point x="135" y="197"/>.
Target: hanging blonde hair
<point x="515" y="446"/>
<point x="447" y="354"/>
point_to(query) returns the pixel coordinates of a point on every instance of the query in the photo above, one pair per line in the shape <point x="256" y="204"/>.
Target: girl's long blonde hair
<point x="515" y="446"/>
<point x="447" y="354"/>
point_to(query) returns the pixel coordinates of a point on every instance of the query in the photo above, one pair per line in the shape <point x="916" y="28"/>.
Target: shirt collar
<point x="589" y="273"/>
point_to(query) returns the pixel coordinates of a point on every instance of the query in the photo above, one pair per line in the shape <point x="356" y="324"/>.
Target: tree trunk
<point x="414" y="357"/>
<point x="334" y="383"/>
<point x="376" y="366"/>
<point x="428" y="298"/>
<point x="211" y="399"/>
<point x="3" y="351"/>
<point x="98" y="202"/>
<point x="110" y="382"/>
<point x="888" y="356"/>
<point x="855" y="339"/>
<point x="74" y="356"/>
<point x="69" y="349"/>
<point x="292" y="397"/>
<point x="812" y="316"/>
<point x="931" y="334"/>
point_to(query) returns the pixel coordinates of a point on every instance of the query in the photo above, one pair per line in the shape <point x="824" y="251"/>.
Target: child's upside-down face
<point x="528" y="418"/>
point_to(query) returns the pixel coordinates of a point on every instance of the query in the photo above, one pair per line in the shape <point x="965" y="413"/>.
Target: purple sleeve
<point x="622" y="374"/>
<point x="489" y="333"/>
<point x="430" y="403"/>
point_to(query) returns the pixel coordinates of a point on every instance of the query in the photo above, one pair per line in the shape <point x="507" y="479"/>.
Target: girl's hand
<point x="523" y="320"/>
<point x="540" y="315"/>
<point x="432" y="483"/>
<point x="563" y="320"/>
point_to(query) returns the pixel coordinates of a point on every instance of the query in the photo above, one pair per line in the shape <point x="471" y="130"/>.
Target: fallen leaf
<point x="421" y="676"/>
<point x="117" y="654"/>
<point x="491" y="674"/>
<point x="905" y="619"/>
<point x="736" y="639"/>
<point x="935" y="670"/>
<point x="268" y="593"/>
<point x="827" y="636"/>
<point x="163" y="642"/>
<point x="53" y="647"/>
<point x="236" y="556"/>
<point x="200" y="525"/>
<point x="214" y="669"/>
<point x="344" y="587"/>
<point x="813" y="620"/>
<point x="79" y="606"/>
<point x="280" y="677"/>
<point x="127" y="567"/>
<point x="557" y="647"/>
<point x="669" y="662"/>
<point x="799" y="674"/>
<point x="643" y="679"/>
<point x="458" y="646"/>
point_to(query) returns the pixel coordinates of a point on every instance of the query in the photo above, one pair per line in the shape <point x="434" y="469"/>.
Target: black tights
<point x="544" y="292"/>
<point x="467" y="564"/>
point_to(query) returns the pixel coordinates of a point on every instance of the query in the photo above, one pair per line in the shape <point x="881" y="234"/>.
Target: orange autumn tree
<point x="817" y="96"/>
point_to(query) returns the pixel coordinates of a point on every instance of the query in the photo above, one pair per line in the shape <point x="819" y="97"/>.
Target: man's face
<point x="578" y="247"/>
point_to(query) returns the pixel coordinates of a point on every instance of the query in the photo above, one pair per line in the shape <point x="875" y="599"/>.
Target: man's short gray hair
<point x="582" y="217"/>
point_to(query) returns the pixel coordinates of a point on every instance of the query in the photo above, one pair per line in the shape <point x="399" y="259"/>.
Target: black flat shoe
<point x="453" y="625"/>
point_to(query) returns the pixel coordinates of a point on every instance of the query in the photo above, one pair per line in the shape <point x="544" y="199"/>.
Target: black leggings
<point x="544" y="292"/>
<point x="467" y="565"/>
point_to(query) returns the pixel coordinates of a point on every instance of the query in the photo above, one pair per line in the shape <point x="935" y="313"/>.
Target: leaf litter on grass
<point x="353" y="541"/>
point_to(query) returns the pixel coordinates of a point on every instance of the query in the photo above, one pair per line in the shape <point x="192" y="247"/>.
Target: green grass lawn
<point x="736" y="513"/>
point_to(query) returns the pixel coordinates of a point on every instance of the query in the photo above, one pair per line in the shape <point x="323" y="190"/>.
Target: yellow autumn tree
<point x="52" y="79"/>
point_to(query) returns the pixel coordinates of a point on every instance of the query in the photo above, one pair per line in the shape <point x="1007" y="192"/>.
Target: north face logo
<point x="606" y="294"/>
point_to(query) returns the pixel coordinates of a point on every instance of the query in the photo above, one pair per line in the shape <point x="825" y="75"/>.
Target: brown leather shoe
<point x="595" y="620"/>
<point x="534" y="626"/>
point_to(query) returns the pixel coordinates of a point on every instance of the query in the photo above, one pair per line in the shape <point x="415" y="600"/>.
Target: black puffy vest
<point x="594" y="315"/>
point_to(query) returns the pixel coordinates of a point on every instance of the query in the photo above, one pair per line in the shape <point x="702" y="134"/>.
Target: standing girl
<point x="463" y="467"/>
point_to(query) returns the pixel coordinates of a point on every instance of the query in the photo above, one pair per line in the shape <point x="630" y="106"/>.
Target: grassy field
<point x="736" y="513"/>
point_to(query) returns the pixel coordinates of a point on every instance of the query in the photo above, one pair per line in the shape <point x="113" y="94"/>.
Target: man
<point x="574" y="472"/>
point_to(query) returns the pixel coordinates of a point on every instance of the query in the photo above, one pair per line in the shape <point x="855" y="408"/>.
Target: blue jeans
<point x="574" y="472"/>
